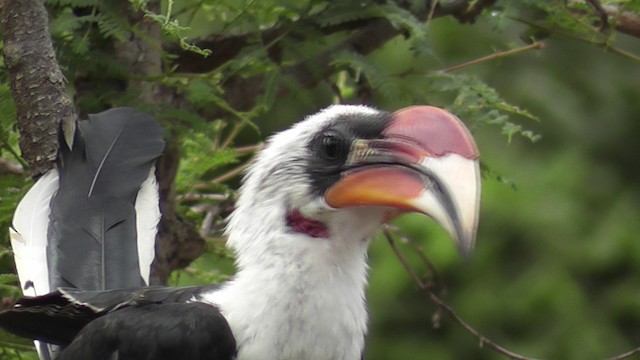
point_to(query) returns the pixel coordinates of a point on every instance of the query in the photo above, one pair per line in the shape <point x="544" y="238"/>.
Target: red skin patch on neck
<point x="303" y="225"/>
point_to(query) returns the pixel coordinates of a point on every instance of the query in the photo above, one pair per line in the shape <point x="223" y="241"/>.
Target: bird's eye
<point x="331" y="146"/>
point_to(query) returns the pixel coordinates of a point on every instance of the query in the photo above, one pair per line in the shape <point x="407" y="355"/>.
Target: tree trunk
<point x="37" y="84"/>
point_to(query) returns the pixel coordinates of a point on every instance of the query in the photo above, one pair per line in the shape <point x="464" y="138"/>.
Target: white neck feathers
<point x="303" y="299"/>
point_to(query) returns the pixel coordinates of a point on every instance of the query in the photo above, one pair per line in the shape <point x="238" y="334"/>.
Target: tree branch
<point x="496" y="55"/>
<point x="484" y="341"/>
<point x="604" y="18"/>
<point x="368" y="35"/>
<point x="433" y="282"/>
<point x="37" y="84"/>
<point x="626" y="355"/>
<point x="601" y="44"/>
<point x="624" y="21"/>
<point x="374" y="33"/>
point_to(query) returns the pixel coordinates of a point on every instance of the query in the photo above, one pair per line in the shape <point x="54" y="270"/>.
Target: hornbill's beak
<point x="427" y="162"/>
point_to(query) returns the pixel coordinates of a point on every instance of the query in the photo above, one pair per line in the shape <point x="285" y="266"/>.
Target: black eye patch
<point x="329" y="148"/>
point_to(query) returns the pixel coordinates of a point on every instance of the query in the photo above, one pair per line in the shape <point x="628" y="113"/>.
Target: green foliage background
<point x="556" y="270"/>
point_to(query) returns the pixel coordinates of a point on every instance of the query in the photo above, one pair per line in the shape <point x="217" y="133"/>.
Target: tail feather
<point x="93" y="240"/>
<point x="147" y="219"/>
<point x="29" y="235"/>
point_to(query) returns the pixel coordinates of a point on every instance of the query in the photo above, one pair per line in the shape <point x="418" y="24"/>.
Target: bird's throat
<point x="303" y="225"/>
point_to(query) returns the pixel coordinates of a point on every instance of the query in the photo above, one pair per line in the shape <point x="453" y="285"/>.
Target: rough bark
<point x="37" y="84"/>
<point x="178" y="242"/>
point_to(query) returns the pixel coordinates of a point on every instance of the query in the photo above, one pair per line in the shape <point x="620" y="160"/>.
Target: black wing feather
<point x="58" y="317"/>
<point x="50" y="318"/>
<point x="191" y="331"/>
<point x="105" y="301"/>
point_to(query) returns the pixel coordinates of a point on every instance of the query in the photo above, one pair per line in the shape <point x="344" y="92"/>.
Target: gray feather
<point x="92" y="233"/>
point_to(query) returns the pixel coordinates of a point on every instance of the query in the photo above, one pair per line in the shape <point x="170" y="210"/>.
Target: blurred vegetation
<point x="551" y="93"/>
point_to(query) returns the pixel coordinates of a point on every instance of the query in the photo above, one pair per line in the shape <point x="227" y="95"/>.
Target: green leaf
<point x="347" y="11"/>
<point x="362" y="66"/>
<point x="481" y="104"/>
<point x="112" y="24"/>
<point x="8" y="278"/>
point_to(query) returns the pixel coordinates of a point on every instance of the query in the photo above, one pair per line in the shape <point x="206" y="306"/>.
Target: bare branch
<point x="207" y="223"/>
<point x="375" y="32"/>
<point x="626" y="355"/>
<point x="605" y="45"/>
<point x="198" y="197"/>
<point x="496" y="55"/>
<point x="230" y="174"/>
<point x="612" y="15"/>
<point x="604" y="17"/>
<point x="249" y="149"/>
<point x="434" y="283"/>
<point x="625" y="21"/>
<point x="483" y="341"/>
<point x="433" y="272"/>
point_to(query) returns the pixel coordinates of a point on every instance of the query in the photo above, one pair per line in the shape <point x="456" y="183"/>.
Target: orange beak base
<point x="386" y="185"/>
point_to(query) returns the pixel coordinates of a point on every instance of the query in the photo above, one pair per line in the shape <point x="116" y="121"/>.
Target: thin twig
<point x="496" y="55"/>
<point x="601" y="44"/>
<point x="578" y="16"/>
<point x="249" y="149"/>
<point x="238" y="16"/>
<point x="207" y="223"/>
<point x="432" y="11"/>
<point x="230" y="174"/>
<point x="169" y="10"/>
<point x="196" y="197"/>
<point x="232" y="135"/>
<point x="604" y="17"/>
<point x="626" y="355"/>
<point x="626" y="22"/>
<point x="484" y="342"/>
<point x="621" y="52"/>
<point x="433" y="272"/>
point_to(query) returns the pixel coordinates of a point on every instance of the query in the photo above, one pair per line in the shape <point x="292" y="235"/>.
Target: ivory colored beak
<point x="426" y="162"/>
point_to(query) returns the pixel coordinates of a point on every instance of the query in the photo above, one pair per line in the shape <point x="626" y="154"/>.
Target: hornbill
<point x="300" y="230"/>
